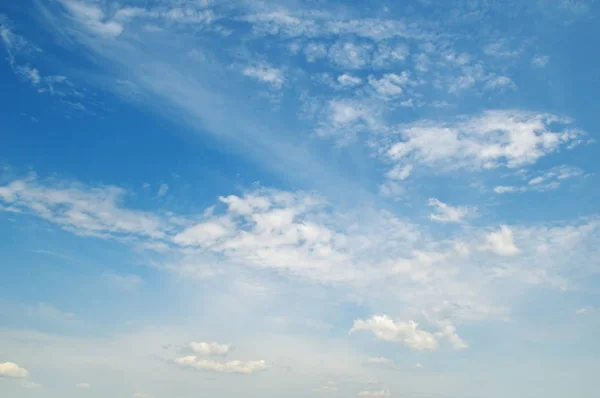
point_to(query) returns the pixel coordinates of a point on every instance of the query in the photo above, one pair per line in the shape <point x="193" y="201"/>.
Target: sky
<point x="317" y="198"/>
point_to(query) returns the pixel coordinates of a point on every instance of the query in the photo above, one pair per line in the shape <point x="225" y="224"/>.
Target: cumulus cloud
<point x="445" y="213"/>
<point x="408" y="333"/>
<point x="209" y="349"/>
<point x="543" y="181"/>
<point x="350" y="55"/>
<point x="12" y="370"/>
<point x="492" y="139"/>
<point x="502" y="242"/>
<point x="390" y="84"/>
<point x="243" y="367"/>
<point x="346" y="80"/>
<point x="93" y="18"/>
<point x="266" y="74"/>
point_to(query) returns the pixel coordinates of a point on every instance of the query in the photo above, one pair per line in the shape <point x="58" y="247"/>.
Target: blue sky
<point x="300" y="198"/>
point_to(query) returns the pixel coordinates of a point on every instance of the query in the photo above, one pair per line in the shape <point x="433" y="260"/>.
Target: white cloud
<point x="346" y="80"/>
<point x="390" y="84"/>
<point x="84" y="210"/>
<point x="243" y="367"/>
<point x="209" y="349"/>
<point x="12" y="370"/>
<point x="499" y="82"/>
<point x="381" y="393"/>
<point x="92" y="18"/>
<point x="544" y="181"/>
<point x="407" y="333"/>
<point x="83" y="385"/>
<point x="387" y="56"/>
<point x="399" y="172"/>
<point x="492" y="139"/>
<point x="350" y="55"/>
<point x="540" y="61"/>
<point x="266" y="74"/>
<point x="314" y="51"/>
<point x="31" y="74"/>
<point x="500" y="49"/>
<point x="502" y="242"/>
<point x="162" y="190"/>
<point x="445" y="213"/>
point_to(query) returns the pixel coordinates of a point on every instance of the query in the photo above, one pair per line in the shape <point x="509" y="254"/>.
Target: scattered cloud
<point x="502" y="242"/>
<point x="490" y="140"/>
<point x="584" y="310"/>
<point x="543" y="181"/>
<point x="407" y="333"/>
<point x="445" y="213"/>
<point x="79" y="209"/>
<point x="82" y="385"/>
<point x="209" y="349"/>
<point x="221" y="367"/>
<point x="12" y="370"/>
<point x="346" y="80"/>
<point x="266" y="74"/>
<point x="390" y="84"/>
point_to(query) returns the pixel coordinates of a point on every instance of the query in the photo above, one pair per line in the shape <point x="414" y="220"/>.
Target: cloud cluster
<point x="12" y="370"/>
<point x="203" y="360"/>
<point x="408" y="333"/>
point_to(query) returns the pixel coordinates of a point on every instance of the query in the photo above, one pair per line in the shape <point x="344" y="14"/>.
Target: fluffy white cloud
<point x="502" y="242"/>
<point x="390" y="84"/>
<point x="266" y="74"/>
<point x="12" y="370"/>
<point x="209" y="349"/>
<point x="346" y="80"/>
<point x="399" y="172"/>
<point x="407" y="333"/>
<point x="544" y="181"/>
<point x="445" y="213"/>
<point x="350" y="55"/>
<point x="81" y="209"/>
<point x="492" y="139"/>
<point x="499" y="82"/>
<point x="245" y="367"/>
